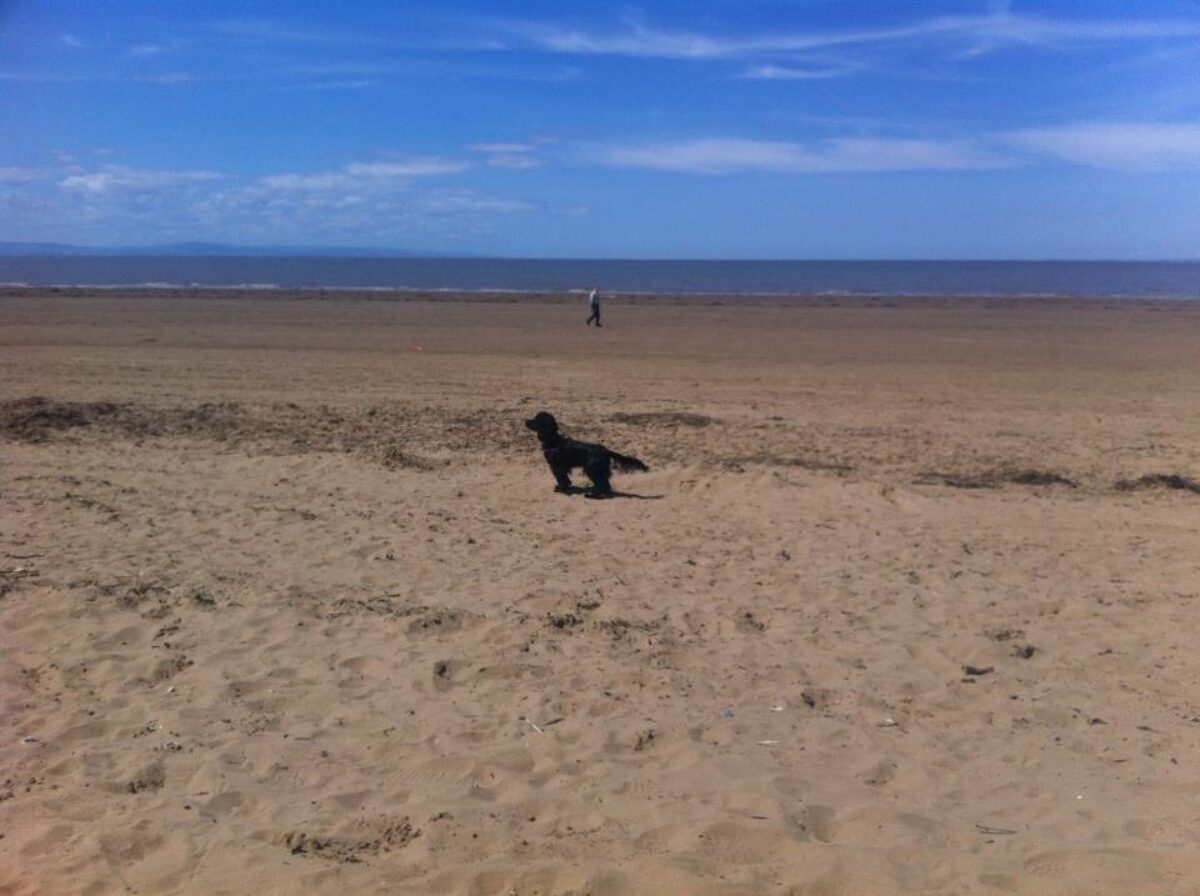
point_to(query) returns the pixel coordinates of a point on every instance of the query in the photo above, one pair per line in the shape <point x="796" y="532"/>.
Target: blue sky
<point x="721" y="129"/>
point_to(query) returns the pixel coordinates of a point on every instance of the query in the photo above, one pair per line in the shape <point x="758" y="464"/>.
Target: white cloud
<point x="514" y="162"/>
<point x="117" y="177"/>
<point x="147" y="50"/>
<point x="416" y="167"/>
<point x="342" y="69"/>
<point x="637" y="42"/>
<point x="328" y="181"/>
<point x="993" y="29"/>
<point x="364" y="175"/>
<point x="362" y="196"/>
<point x="342" y="207"/>
<point x="166" y="78"/>
<point x="40" y="77"/>
<point x="17" y="175"/>
<point x="459" y="201"/>
<point x="369" y="202"/>
<point x="505" y="148"/>
<point x="512" y="156"/>
<point x="731" y="155"/>
<point x="360" y="84"/>
<point x="1133" y="147"/>
<point x="71" y="40"/>
<point x="789" y="73"/>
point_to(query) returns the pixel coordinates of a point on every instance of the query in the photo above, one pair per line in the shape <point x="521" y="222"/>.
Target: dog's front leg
<point x="563" y="481"/>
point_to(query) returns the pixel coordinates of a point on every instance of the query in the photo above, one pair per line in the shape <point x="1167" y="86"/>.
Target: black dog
<point x="564" y="454"/>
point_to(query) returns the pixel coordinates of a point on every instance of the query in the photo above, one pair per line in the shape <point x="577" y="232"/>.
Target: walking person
<point x="594" y="304"/>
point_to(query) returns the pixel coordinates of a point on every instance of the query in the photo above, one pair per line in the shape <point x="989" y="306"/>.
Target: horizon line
<point x="302" y="251"/>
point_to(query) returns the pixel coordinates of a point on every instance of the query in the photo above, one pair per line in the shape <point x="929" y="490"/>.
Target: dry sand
<point x="287" y="604"/>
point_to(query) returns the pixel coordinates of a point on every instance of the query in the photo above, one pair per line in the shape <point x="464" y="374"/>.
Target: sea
<point x="1100" y="279"/>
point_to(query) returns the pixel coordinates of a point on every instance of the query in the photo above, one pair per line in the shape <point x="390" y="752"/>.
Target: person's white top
<point x="594" y="298"/>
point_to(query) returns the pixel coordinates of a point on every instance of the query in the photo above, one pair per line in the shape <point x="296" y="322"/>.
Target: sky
<point x="823" y="129"/>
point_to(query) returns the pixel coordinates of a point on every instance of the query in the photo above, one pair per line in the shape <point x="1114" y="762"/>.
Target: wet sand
<point x="905" y="605"/>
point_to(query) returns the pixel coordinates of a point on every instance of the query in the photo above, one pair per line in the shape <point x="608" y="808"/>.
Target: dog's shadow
<point x="587" y="493"/>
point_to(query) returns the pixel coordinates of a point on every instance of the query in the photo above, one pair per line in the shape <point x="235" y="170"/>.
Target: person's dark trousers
<point x="595" y="316"/>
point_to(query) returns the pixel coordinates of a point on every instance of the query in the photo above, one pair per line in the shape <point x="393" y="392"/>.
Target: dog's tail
<point x="627" y="464"/>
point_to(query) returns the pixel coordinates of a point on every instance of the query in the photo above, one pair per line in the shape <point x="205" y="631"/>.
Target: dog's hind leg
<point x="599" y="470"/>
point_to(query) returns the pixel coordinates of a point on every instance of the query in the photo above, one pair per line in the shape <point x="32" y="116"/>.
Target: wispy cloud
<point x="508" y="148"/>
<point x="345" y="84"/>
<point x="333" y="180"/>
<point x="392" y="36"/>
<point x="512" y="156"/>
<point x="732" y="156"/>
<point x="346" y="69"/>
<point x="368" y="189"/>
<point x="792" y="73"/>
<point x="166" y="78"/>
<point x="58" y="78"/>
<point x="117" y="177"/>
<point x="460" y="201"/>
<point x="514" y="162"/>
<point x="1145" y="147"/>
<point x="42" y="77"/>
<point x="17" y="175"/>
<point x="997" y="28"/>
<point x="147" y="50"/>
<point x="1131" y="147"/>
<point x="635" y="41"/>
<point x="397" y="199"/>
<point x="286" y="32"/>
<point x="368" y="176"/>
<point x="339" y="205"/>
<point x="970" y="35"/>
<point x="424" y="166"/>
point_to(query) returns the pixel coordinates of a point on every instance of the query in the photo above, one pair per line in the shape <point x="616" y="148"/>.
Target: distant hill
<point x="9" y="249"/>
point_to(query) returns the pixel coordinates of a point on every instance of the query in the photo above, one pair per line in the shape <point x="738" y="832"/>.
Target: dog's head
<point x="543" y="423"/>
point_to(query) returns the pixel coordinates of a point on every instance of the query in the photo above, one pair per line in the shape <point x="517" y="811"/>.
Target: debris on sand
<point x="1036" y="477"/>
<point x="32" y="419"/>
<point x="996" y="478"/>
<point x="12" y="575"/>
<point x="375" y="838"/>
<point x="1004" y="633"/>
<point x="809" y="462"/>
<point x="152" y="777"/>
<point x="748" y="622"/>
<point x="387" y="436"/>
<point x="1159" y="480"/>
<point x="563" y="621"/>
<point x="396" y="458"/>
<point x="994" y="831"/>
<point x="664" y="418"/>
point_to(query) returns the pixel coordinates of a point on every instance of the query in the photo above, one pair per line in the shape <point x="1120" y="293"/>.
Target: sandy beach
<point x="907" y="603"/>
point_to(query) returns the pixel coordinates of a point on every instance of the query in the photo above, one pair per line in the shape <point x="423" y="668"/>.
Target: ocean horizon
<point x="1100" y="279"/>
